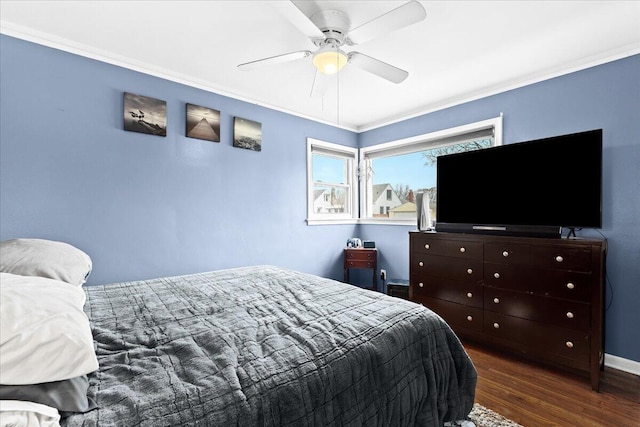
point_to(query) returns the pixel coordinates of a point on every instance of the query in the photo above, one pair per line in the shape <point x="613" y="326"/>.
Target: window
<point x="331" y="182"/>
<point x="400" y="169"/>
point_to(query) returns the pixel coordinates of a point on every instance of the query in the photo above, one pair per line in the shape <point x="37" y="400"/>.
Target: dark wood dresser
<point x="539" y="297"/>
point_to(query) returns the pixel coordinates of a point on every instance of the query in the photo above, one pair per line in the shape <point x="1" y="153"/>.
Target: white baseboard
<point x="622" y="364"/>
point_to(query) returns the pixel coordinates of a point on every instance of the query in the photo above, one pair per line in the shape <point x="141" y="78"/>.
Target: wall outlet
<point x="383" y="274"/>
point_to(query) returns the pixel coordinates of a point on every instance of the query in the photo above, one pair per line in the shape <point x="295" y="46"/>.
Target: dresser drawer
<point x="553" y="311"/>
<point x="359" y="264"/>
<point x="572" y="285"/>
<point x="535" y="338"/>
<point x="467" y="270"/>
<point x="449" y="290"/>
<point x="576" y="258"/>
<point x="360" y="255"/>
<point x="458" y="316"/>
<point x="508" y="253"/>
<point x="429" y="244"/>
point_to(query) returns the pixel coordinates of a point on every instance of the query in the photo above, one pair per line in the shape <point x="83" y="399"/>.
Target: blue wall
<point x="145" y="206"/>
<point x="607" y="97"/>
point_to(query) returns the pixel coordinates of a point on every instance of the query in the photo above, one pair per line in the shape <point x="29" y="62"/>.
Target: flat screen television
<point x="530" y="188"/>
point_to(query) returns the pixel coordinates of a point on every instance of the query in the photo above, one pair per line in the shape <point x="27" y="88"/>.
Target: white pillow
<point x="44" y="333"/>
<point x="45" y="258"/>
<point x="27" y="414"/>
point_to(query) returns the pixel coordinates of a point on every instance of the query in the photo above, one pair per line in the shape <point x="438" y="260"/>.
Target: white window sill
<point x="373" y="221"/>
<point x="367" y="221"/>
<point x="338" y="221"/>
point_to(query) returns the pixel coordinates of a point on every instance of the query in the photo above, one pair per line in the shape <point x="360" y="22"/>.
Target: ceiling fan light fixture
<point x="329" y="60"/>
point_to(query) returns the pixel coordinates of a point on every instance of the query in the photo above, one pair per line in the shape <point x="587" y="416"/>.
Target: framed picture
<point x="247" y="134"/>
<point x="203" y="123"/>
<point x="145" y="115"/>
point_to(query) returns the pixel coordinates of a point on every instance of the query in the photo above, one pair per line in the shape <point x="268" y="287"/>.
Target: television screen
<point x="551" y="182"/>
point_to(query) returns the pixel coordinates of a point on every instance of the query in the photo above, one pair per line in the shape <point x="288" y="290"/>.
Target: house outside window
<point x="399" y="169"/>
<point x="383" y="198"/>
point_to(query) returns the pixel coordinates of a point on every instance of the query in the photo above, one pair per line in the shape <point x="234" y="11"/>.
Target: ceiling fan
<point x="330" y="30"/>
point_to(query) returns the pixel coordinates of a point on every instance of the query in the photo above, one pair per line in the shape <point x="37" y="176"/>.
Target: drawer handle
<point x="570" y="285"/>
<point x="469" y="295"/>
<point x="470" y="318"/>
<point x="421" y="264"/>
<point x="559" y="259"/>
<point x="462" y="249"/>
<point x="505" y="254"/>
<point x="427" y="246"/>
<point x="569" y="344"/>
<point x="469" y="271"/>
<point x="569" y="315"/>
<point x="421" y="285"/>
<point x="496" y="275"/>
<point x="496" y="300"/>
<point x="496" y="325"/>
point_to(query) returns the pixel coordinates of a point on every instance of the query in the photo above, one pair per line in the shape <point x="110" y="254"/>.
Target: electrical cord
<point x="606" y="276"/>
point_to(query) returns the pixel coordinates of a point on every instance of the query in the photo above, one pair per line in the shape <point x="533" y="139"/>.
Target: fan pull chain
<point x="338" y="100"/>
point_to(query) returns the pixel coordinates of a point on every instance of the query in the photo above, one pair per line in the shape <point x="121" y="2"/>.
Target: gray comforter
<point x="265" y="346"/>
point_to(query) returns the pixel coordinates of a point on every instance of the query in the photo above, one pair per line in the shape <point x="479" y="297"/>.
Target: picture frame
<point x="202" y="123"/>
<point x="247" y="134"/>
<point x="144" y="114"/>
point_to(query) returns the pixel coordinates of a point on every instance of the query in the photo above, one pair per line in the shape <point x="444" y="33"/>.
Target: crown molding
<point x="73" y="47"/>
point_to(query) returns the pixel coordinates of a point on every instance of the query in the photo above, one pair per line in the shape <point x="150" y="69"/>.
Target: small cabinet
<point x="361" y="258"/>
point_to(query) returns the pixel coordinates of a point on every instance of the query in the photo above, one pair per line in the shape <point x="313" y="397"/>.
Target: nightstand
<point x="361" y="258"/>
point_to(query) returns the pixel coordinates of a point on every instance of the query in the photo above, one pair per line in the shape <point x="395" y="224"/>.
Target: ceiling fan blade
<point x="290" y="11"/>
<point x="377" y="67"/>
<point x="278" y="59"/>
<point x="407" y="14"/>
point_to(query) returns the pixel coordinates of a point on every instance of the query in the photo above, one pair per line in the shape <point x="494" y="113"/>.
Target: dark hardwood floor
<point x="535" y="396"/>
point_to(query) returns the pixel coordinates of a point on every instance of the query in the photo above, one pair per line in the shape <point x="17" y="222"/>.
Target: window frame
<point x="412" y="144"/>
<point x="356" y="159"/>
<point x="347" y="153"/>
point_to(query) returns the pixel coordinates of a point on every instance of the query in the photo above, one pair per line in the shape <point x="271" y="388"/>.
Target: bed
<point x="268" y="346"/>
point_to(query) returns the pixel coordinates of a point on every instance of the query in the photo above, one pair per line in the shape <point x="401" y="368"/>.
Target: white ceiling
<point x="463" y="50"/>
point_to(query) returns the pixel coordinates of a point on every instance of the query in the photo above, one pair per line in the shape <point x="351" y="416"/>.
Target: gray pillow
<point x="66" y="396"/>
<point x="45" y="258"/>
